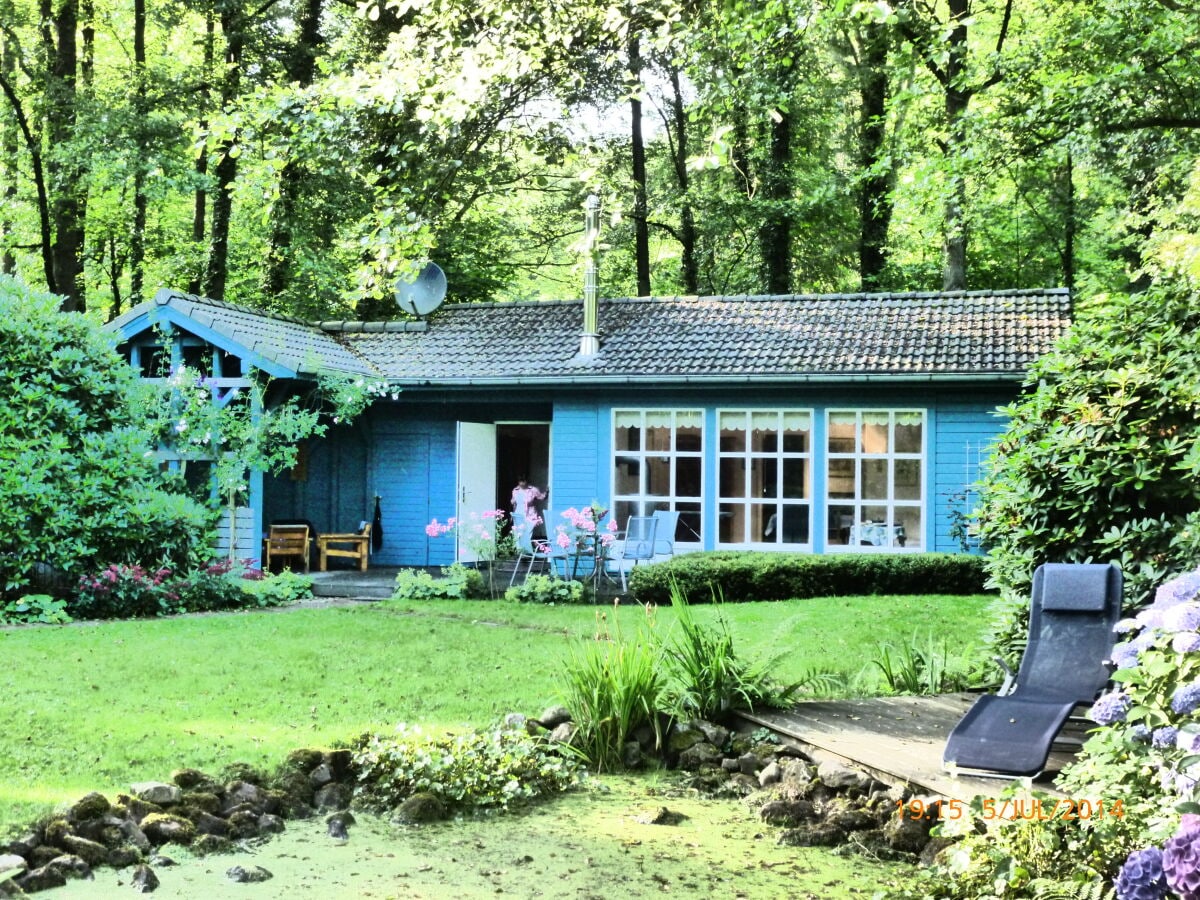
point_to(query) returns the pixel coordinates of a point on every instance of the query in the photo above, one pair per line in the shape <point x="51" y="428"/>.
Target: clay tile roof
<point x="803" y="337"/>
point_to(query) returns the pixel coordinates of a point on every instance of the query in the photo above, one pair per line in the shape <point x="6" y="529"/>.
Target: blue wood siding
<point x="407" y="454"/>
<point x="580" y="438"/>
<point x="329" y="486"/>
<point x="413" y="473"/>
<point x="967" y="424"/>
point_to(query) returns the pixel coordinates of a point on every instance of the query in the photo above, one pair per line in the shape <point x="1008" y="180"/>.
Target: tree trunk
<point x="137" y="237"/>
<point x="641" y="231"/>
<point x="689" y="269"/>
<point x="200" y="198"/>
<point x="874" y="198"/>
<point x="10" y="143"/>
<point x="301" y="70"/>
<point x="217" y="270"/>
<point x="1069" y="224"/>
<point x="954" y="259"/>
<point x="775" y="235"/>
<point x="65" y="171"/>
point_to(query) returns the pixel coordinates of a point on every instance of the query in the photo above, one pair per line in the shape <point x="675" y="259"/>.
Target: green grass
<point x="97" y="706"/>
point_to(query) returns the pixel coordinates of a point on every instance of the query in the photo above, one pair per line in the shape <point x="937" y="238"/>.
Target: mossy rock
<point x="205" y="801"/>
<point x="341" y="764"/>
<point x="92" y="806"/>
<point x="210" y="844"/>
<point x="91" y="852"/>
<point x="165" y="828"/>
<point x="194" y="780"/>
<point x="242" y="771"/>
<point x="303" y="761"/>
<point x="57" y="830"/>
<point x="420" y="809"/>
<point x="137" y="809"/>
<point x="124" y="856"/>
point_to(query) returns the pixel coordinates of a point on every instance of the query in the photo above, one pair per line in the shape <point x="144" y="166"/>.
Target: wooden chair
<point x="356" y="546"/>
<point x="285" y="541"/>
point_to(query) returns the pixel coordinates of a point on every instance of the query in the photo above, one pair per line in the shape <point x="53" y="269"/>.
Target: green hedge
<point x="744" y="575"/>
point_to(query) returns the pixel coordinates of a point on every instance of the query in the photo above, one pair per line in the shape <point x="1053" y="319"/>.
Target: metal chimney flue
<point x="589" y="341"/>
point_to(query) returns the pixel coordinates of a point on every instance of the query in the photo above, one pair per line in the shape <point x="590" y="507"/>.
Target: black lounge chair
<point x="1072" y="613"/>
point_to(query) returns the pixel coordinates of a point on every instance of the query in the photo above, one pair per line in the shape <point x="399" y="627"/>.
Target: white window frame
<point x="644" y="502"/>
<point x="747" y="455"/>
<point x="890" y="503"/>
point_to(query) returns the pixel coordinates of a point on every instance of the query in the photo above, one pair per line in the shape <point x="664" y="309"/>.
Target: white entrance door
<point x="476" y="481"/>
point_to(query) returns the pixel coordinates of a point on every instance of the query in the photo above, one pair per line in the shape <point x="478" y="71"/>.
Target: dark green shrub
<point x="126" y="592"/>
<point x="215" y="587"/>
<point x="1101" y="458"/>
<point x="744" y="575"/>
<point x="79" y="485"/>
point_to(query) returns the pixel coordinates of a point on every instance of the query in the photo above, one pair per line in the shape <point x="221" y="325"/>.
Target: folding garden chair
<point x="1066" y="662"/>
<point x="638" y="545"/>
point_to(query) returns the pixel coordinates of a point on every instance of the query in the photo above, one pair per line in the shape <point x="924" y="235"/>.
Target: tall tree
<point x="234" y="26"/>
<point x="944" y="48"/>
<point x="66" y="170"/>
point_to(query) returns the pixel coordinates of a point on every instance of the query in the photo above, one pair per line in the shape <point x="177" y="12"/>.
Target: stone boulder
<point x="157" y="792"/>
<point x="144" y="881"/>
<point x="165" y="828"/>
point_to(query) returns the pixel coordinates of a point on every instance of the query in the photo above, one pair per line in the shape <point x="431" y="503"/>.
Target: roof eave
<point x="710" y="379"/>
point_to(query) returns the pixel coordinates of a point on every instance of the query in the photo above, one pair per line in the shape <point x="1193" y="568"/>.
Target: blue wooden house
<point x="813" y="423"/>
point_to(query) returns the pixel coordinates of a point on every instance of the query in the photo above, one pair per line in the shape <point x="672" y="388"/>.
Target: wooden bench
<point x="285" y="541"/>
<point x="356" y="546"/>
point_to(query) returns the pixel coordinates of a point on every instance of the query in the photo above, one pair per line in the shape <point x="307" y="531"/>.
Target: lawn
<point x="96" y="706"/>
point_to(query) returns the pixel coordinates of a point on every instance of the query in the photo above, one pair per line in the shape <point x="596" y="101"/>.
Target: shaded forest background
<point x="299" y="155"/>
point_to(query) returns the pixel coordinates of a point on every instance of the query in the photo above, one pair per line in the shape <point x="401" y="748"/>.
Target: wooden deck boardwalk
<point x="898" y="740"/>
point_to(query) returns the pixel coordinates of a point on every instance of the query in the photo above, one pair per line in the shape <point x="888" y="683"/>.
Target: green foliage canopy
<point x="1101" y="459"/>
<point x="79" y="484"/>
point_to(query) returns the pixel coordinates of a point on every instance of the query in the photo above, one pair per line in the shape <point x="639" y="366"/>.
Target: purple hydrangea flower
<point x="1178" y="590"/>
<point x="1182" y="617"/>
<point x="1150" y="618"/>
<point x="1125" y="655"/>
<point x="1186" y="699"/>
<point x="1181" y="864"/>
<point x="1125" y="626"/>
<point x="1110" y="708"/>
<point x="1140" y="733"/>
<point x="1164" y="738"/>
<point x="1142" y="876"/>
<point x="1186" y="642"/>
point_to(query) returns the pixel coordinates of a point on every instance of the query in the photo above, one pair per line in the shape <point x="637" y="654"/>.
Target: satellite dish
<point x="421" y="293"/>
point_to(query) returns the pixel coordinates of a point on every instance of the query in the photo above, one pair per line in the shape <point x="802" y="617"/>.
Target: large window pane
<point x="842" y="432"/>
<point x="909" y="429"/>
<point x="657" y="461"/>
<point x="629" y="475"/>
<point x="733" y="477"/>
<point x="842" y="483"/>
<point x="688" y="479"/>
<point x="908" y="479"/>
<point x="763" y="477"/>
<point x="875" y="475"/>
<point x="874" y="479"/>
<point x="658" y="476"/>
<point x="795" y="478"/>
<point x="875" y="432"/>
<point x="731" y="523"/>
<point x="764" y="432"/>
<point x="733" y="432"/>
